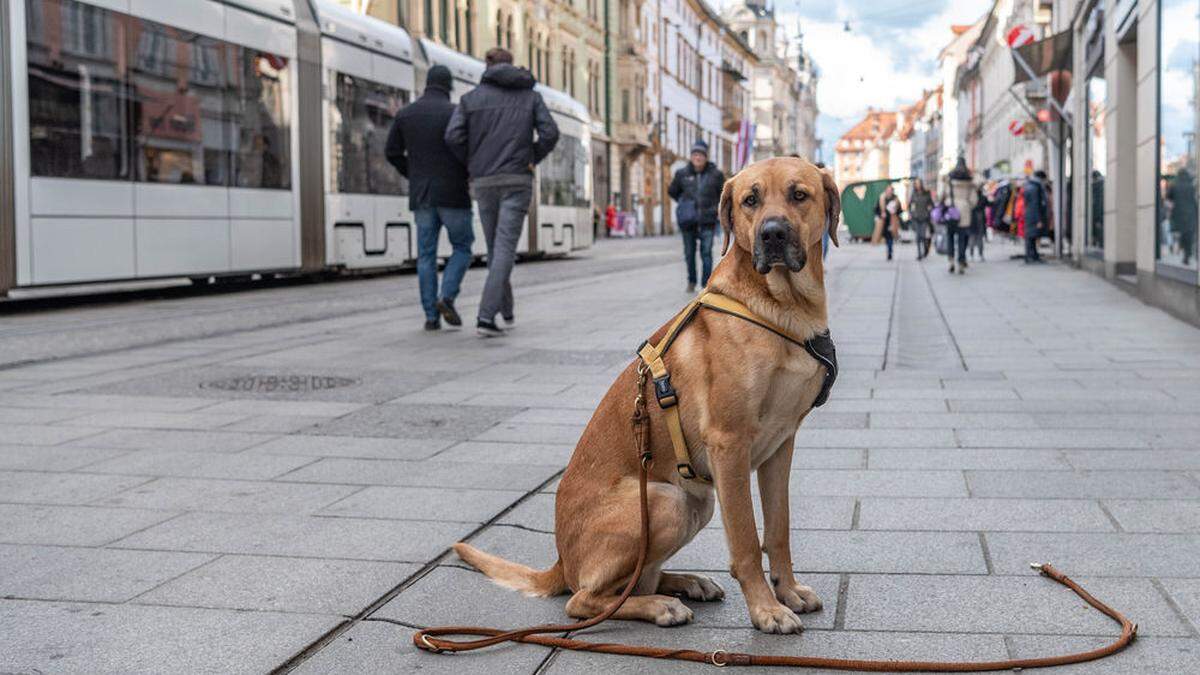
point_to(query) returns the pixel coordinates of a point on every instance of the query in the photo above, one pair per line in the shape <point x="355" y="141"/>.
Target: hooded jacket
<point x="703" y="188"/>
<point x="437" y="178"/>
<point x="492" y="130"/>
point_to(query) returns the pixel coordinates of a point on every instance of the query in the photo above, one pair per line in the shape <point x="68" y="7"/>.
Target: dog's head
<point x="777" y="209"/>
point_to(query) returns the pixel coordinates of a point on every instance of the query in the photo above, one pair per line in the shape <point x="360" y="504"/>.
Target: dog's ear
<point x="725" y="214"/>
<point x="833" y="205"/>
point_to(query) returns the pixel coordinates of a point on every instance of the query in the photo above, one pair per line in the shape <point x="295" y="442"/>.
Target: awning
<point x="1044" y="56"/>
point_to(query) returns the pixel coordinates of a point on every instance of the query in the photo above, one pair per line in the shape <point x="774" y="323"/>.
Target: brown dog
<point x="744" y="392"/>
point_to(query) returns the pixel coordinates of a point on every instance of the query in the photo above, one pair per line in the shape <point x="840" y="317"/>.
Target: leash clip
<point x="427" y="645"/>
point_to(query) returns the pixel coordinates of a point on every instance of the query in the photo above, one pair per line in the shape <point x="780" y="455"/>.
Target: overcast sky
<point x="887" y="58"/>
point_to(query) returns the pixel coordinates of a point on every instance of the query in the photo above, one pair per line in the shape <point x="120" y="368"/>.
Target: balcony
<point x="636" y="135"/>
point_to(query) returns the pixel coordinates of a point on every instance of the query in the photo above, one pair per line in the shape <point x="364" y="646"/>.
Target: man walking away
<point x="920" y="208"/>
<point x="1035" y="214"/>
<point x="437" y="194"/>
<point x="696" y="189"/>
<point x="492" y="131"/>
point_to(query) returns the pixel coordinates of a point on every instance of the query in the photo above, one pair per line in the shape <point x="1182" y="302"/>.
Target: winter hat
<point x="439" y="78"/>
<point x="700" y="146"/>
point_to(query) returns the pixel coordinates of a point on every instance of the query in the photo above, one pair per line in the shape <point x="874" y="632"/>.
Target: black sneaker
<point x="433" y="324"/>
<point x="488" y="329"/>
<point x="446" y="309"/>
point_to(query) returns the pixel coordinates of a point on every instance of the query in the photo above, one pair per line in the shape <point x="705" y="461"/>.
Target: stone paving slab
<point x="1031" y="604"/>
<point x="966" y="458"/>
<point x="1082" y="484"/>
<point x="1149" y="655"/>
<point x="80" y="638"/>
<point x="977" y="514"/>
<point x="55" y="458"/>
<point x="88" y="574"/>
<point x="299" y="536"/>
<point x="31" y="487"/>
<point x="229" y="496"/>
<point x="160" y="439"/>
<point x="1135" y="555"/>
<point x="244" y="466"/>
<point x="348" y="446"/>
<point x="413" y="503"/>
<point x="428" y="473"/>
<point x="260" y="583"/>
<point x="1155" y="516"/>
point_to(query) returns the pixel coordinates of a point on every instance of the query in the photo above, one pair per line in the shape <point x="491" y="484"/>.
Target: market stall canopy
<point x="1044" y="56"/>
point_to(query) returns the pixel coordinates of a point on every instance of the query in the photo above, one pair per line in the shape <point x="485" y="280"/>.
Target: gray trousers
<point x="502" y="210"/>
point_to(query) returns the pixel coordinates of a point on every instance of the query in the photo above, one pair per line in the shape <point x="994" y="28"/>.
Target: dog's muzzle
<point x="777" y="244"/>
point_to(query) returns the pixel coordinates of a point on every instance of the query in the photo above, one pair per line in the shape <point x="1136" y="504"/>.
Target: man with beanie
<point x="493" y="131"/>
<point x="696" y="190"/>
<point x="437" y="194"/>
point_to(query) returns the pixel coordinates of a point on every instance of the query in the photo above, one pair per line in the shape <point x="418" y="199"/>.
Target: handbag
<point x="686" y="214"/>
<point x="941" y="240"/>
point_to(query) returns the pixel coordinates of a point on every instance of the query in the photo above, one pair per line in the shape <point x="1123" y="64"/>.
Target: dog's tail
<point x="531" y="582"/>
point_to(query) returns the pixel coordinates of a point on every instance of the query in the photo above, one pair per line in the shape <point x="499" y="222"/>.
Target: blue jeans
<point x="458" y="226"/>
<point x="702" y="235"/>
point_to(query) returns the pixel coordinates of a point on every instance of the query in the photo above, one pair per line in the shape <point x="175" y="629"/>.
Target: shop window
<point x="360" y="117"/>
<point x="1179" y="83"/>
<point x="1097" y="158"/>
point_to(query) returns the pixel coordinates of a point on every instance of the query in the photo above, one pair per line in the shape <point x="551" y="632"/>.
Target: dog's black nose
<point x="774" y="233"/>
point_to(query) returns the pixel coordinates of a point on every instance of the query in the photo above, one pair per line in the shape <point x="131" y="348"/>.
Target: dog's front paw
<point x="775" y="619"/>
<point x="798" y="598"/>
<point x="671" y="612"/>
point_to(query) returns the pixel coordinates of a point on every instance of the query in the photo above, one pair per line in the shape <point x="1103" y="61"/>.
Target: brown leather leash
<point x="429" y="639"/>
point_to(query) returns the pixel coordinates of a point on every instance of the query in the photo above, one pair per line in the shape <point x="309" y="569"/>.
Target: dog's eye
<point x="750" y="201"/>
<point x="799" y="195"/>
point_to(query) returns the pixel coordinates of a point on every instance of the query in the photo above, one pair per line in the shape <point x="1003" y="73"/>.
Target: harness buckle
<point x="664" y="392"/>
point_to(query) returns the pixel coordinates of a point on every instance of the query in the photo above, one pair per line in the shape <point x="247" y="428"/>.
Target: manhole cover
<point x="279" y="383"/>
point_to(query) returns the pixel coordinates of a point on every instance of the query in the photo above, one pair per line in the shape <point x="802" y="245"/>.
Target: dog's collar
<point x="820" y="347"/>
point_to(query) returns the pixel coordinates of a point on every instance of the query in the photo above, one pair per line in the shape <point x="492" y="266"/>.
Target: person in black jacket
<point x="696" y="189"/>
<point x="437" y="194"/>
<point x="492" y="131"/>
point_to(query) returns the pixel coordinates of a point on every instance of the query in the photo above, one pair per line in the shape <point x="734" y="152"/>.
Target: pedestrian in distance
<point x="888" y="212"/>
<point x="501" y="130"/>
<point x="696" y="189"/>
<point x="1036" y="208"/>
<point x="978" y="227"/>
<point x="920" y="210"/>
<point x="1181" y="197"/>
<point x="437" y="195"/>
<point x="962" y="195"/>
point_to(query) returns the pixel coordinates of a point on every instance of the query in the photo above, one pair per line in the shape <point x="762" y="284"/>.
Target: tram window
<point x="564" y="174"/>
<point x="257" y="105"/>
<point x="77" y="100"/>
<point x="360" y="118"/>
<point x="180" y="121"/>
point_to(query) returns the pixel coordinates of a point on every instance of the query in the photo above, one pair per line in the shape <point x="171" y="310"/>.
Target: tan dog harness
<point x="820" y="347"/>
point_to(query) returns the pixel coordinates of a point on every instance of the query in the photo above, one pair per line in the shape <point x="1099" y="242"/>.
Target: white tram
<point x="143" y="139"/>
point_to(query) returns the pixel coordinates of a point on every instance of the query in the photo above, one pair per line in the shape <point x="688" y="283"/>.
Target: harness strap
<point x="820" y="347"/>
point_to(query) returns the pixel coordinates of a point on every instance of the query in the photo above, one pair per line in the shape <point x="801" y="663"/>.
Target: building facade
<point x="783" y="85"/>
<point x="864" y="152"/>
<point x="1130" y="162"/>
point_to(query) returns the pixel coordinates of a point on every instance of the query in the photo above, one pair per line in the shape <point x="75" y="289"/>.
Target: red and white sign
<point x="1016" y="127"/>
<point x="1019" y="36"/>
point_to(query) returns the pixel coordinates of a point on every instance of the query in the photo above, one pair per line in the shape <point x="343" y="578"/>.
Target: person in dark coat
<point x="888" y="210"/>
<point x="696" y="189"/>
<point x="1036" y="208"/>
<point x="501" y="130"/>
<point x="1182" y="196"/>
<point x="437" y="195"/>
<point x="920" y="208"/>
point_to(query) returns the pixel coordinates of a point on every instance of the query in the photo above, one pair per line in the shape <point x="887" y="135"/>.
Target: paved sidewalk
<point x="284" y="490"/>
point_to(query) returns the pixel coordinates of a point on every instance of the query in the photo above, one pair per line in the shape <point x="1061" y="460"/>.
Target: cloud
<point x="886" y="59"/>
